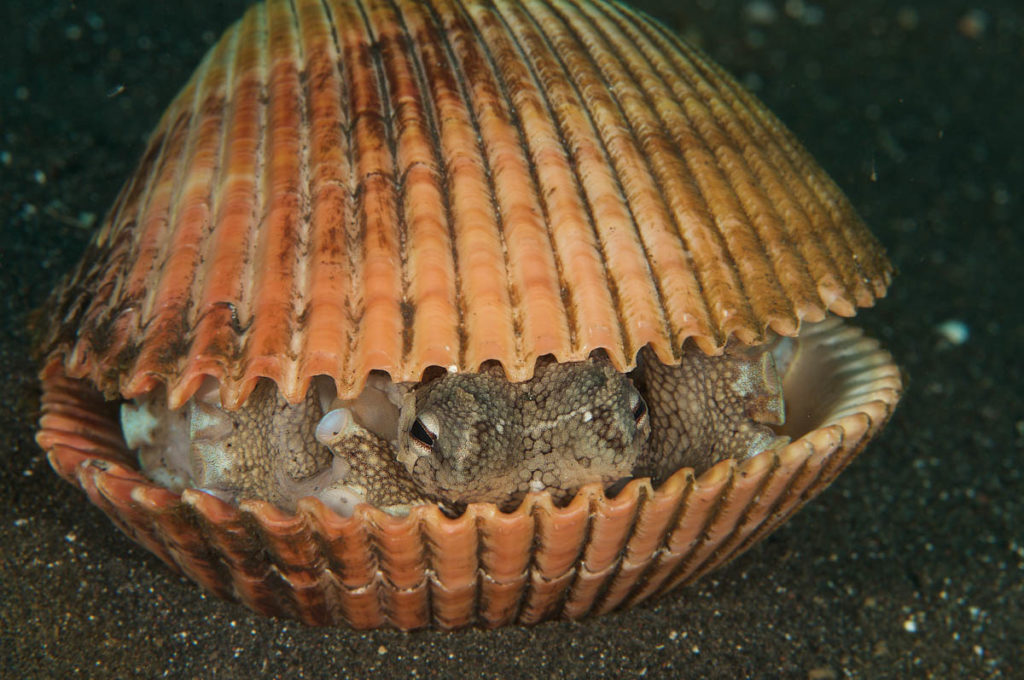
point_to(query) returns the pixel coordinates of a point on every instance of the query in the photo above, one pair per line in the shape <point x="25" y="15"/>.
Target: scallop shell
<point x="353" y="185"/>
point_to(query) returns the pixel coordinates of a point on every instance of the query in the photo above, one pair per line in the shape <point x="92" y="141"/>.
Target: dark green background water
<point x="911" y="565"/>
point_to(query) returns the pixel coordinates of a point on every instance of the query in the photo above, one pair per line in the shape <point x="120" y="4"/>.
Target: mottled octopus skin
<point x="707" y="409"/>
<point x="267" y="451"/>
<point x="571" y="424"/>
<point x="265" y="439"/>
<point x="478" y="438"/>
<point x="347" y="187"/>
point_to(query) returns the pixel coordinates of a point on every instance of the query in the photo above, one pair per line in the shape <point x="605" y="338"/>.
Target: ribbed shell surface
<point x="485" y="567"/>
<point x="351" y="185"/>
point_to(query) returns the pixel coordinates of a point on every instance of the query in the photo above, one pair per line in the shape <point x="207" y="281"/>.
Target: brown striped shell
<point x="355" y="185"/>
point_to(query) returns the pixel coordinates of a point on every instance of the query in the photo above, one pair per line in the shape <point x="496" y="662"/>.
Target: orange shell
<point x="357" y="185"/>
<point x="353" y="185"/>
<point x="485" y="567"/>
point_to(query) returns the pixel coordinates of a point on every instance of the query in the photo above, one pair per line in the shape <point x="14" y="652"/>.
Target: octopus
<point x="460" y="438"/>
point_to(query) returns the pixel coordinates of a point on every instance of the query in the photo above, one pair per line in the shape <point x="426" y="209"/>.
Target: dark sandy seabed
<point x="910" y="565"/>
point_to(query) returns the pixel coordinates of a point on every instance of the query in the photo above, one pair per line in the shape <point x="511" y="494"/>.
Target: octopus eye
<point x="639" y="409"/>
<point x="421" y="431"/>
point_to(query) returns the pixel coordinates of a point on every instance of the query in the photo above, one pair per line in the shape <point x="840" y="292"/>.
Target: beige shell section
<point x="485" y="567"/>
<point x="350" y="185"/>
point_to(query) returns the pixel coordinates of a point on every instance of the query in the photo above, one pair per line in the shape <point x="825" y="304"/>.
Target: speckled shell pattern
<point x="356" y="185"/>
<point x="350" y="185"/>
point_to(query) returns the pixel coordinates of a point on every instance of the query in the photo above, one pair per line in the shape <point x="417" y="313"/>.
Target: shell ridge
<point x="535" y="276"/>
<point x="529" y="507"/>
<point x="150" y="503"/>
<point x="795" y="494"/>
<point x="449" y="289"/>
<point x="573" y="255"/>
<point x="760" y="199"/>
<point x="769" y="513"/>
<point x="613" y="50"/>
<point x="609" y="572"/>
<point x="252" y="208"/>
<point x="478" y="606"/>
<point x="650" y="571"/>
<point x="278" y="256"/>
<point x="428" y="105"/>
<point x="798" y="262"/>
<point x="383" y="50"/>
<point x="578" y="564"/>
<point x="703" y="537"/>
<point x="776" y="134"/>
<point x="145" y="262"/>
<point x="144" y="251"/>
<point x="380" y="241"/>
<point x="204" y="309"/>
<point x="224" y="553"/>
<point x="519" y="578"/>
<point x="634" y="143"/>
<point x="399" y="546"/>
<point x="350" y="552"/>
<point x="129" y="501"/>
<point x="571" y="226"/>
<point x="501" y="78"/>
<point x="646" y="496"/>
<point x="453" y="569"/>
<point x="177" y="527"/>
<point x="114" y="241"/>
<point x="554" y="570"/>
<point x="179" y="277"/>
<point x="854" y="430"/>
<point x="433" y="614"/>
<point x="826" y="193"/>
<point x="215" y="340"/>
<point x="750" y="117"/>
<point x="726" y="548"/>
<point x="484" y="302"/>
<point x="335" y="594"/>
<point x="92" y="477"/>
<point x="611" y="587"/>
<point x="633" y="288"/>
<point x="715" y="271"/>
<point x="854" y="237"/>
<point x="491" y="518"/>
<point x="518" y="610"/>
<point x="427" y="82"/>
<point x="735" y="247"/>
<point x="535" y="47"/>
<point x="180" y="241"/>
<point x="347" y="379"/>
<point x="589" y="295"/>
<point x="323" y="315"/>
<point x="311" y="510"/>
<point x="288" y="542"/>
<point x="694" y="316"/>
<point x="131" y="195"/>
<point x="790" y="498"/>
<point x="296" y="553"/>
<point x="449" y="37"/>
<point x="743" y="249"/>
<point x="298" y="378"/>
